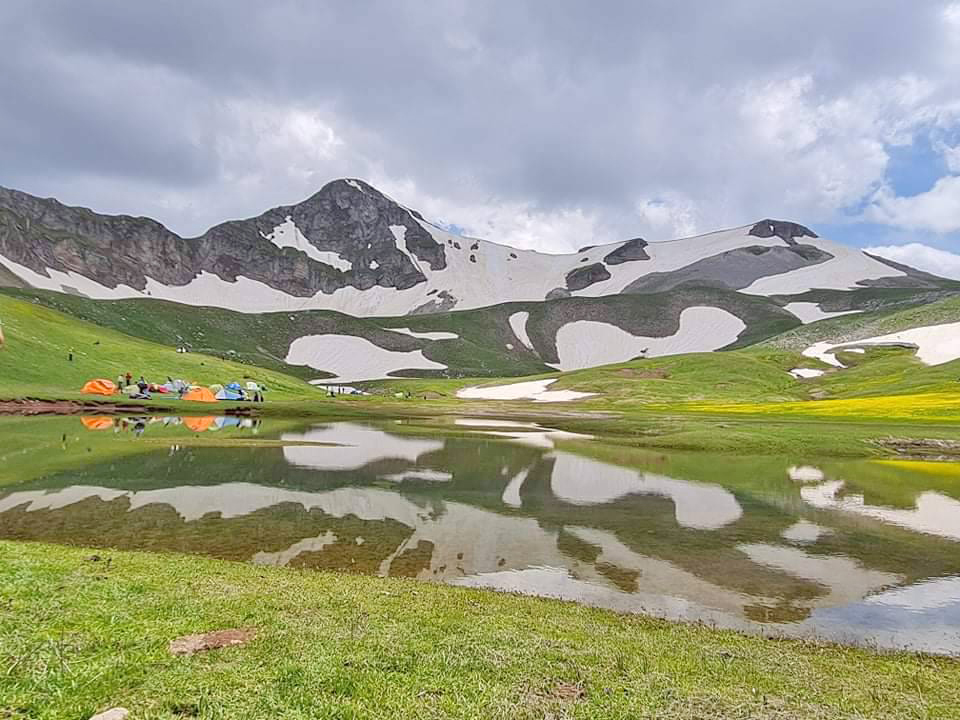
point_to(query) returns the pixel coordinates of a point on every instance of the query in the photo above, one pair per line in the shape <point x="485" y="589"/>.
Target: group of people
<point x="144" y="388"/>
<point x="141" y="389"/>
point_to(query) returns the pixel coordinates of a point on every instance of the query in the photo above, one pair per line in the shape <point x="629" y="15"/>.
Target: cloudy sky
<point x="545" y="124"/>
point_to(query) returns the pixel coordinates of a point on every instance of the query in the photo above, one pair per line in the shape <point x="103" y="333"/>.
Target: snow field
<point x="353" y="359"/>
<point x="535" y="390"/>
<point x="586" y="343"/>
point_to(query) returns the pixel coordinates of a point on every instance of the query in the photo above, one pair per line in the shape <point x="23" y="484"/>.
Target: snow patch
<point x="808" y="312"/>
<point x="821" y="351"/>
<point x="518" y="324"/>
<point x="353" y="358"/>
<point x="535" y="390"/>
<point x="801" y="373"/>
<point x="399" y="236"/>
<point x="587" y="343"/>
<point x="425" y="335"/>
<point x="845" y="271"/>
<point x="935" y="344"/>
<point x="422" y="475"/>
<point x="60" y="281"/>
<point x="288" y="235"/>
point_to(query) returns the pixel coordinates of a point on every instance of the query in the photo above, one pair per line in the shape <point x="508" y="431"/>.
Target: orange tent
<point x="97" y="423"/>
<point x="199" y="424"/>
<point x="200" y="394"/>
<point x="100" y="387"/>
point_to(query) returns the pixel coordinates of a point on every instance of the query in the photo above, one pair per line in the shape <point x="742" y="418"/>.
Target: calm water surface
<point x="851" y="551"/>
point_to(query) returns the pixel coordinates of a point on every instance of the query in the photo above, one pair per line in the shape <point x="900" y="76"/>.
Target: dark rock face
<point x="786" y="231"/>
<point x="732" y="270"/>
<point x="584" y="277"/>
<point x="349" y="218"/>
<point x="630" y="250"/>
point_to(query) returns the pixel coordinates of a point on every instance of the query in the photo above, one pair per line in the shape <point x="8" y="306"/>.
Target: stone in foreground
<point x="117" y="713"/>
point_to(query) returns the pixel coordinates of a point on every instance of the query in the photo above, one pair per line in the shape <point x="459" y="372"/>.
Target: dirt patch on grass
<point x="637" y="374"/>
<point x="190" y="644"/>
<point x="925" y="448"/>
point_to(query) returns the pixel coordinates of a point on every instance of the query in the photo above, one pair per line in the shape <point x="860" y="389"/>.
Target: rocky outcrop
<point x="584" y="277"/>
<point x="732" y="270"/>
<point x="786" y="231"/>
<point x="346" y="217"/>
<point x="630" y="250"/>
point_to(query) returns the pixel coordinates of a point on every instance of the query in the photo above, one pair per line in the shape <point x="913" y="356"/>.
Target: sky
<point x="545" y="125"/>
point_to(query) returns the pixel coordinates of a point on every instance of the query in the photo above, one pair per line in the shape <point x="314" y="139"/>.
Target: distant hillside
<point x="340" y="285"/>
<point x="352" y="249"/>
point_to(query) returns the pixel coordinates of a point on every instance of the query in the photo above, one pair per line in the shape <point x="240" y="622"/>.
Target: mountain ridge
<point x="348" y="247"/>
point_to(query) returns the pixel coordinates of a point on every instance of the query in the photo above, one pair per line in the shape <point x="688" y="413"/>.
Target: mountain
<point x="351" y="248"/>
<point x="412" y="298"/>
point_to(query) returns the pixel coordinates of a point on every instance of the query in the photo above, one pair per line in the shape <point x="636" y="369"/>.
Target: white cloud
<point x="938" y="209"/>
<point x="922" y="257"/>
<point x="672" y="118"/>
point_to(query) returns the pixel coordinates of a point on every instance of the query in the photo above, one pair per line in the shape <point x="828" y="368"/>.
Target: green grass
<point x="34" y="360"/>
<point x="848" y="328"/>
<point x="78" y="636"/>
<point x="732" y="401"/>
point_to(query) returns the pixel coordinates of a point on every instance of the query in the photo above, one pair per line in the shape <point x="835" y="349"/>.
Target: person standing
<point x="70" y="355"/>
<point x="129" y="379"/>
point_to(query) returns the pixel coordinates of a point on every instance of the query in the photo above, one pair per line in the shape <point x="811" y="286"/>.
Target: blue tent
<point x="228" y="394"/>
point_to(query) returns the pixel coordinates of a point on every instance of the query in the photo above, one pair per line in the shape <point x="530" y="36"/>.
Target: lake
<point x="851" y="551"/>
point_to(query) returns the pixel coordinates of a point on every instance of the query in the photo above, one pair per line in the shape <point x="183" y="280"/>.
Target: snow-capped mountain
<point x="351" y="248"/>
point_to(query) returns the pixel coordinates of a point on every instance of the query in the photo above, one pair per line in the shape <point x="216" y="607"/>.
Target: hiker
<point x="129" y="379"/>
<point x="70" y="355"/>
<point x="142" y="385"/>
<point x="120" y="385"/>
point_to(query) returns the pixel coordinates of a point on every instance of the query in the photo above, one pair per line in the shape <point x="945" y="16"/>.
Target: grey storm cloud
<point x="545" y="123"/>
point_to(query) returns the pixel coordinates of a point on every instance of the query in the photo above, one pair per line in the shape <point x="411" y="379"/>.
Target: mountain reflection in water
<point x="849" y="551"/>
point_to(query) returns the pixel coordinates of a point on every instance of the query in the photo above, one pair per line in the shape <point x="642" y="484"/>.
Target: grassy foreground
<point x="78" y="635"/>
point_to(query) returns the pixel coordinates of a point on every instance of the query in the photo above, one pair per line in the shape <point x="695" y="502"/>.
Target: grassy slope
<point x="34" y="360"/>
<point x="848" y="328"/>
<point x="81" y="636"/>
<point x="485" y="347"/>
<point x="264" y="339"/>
<point x="715" y="401"/>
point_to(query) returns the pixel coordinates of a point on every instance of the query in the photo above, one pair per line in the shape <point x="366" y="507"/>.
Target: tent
<point x="215" y="388"/>
<point x="199" y="424"/>
<point x="97" y="423"/>
<point x="228" y="394"/>
<point x="227" y="421"/>
<point x="99" y="387"/>
<point x="200" y="394"/>
<point x="252" y="386"/>
<point x="235" y="386"/>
